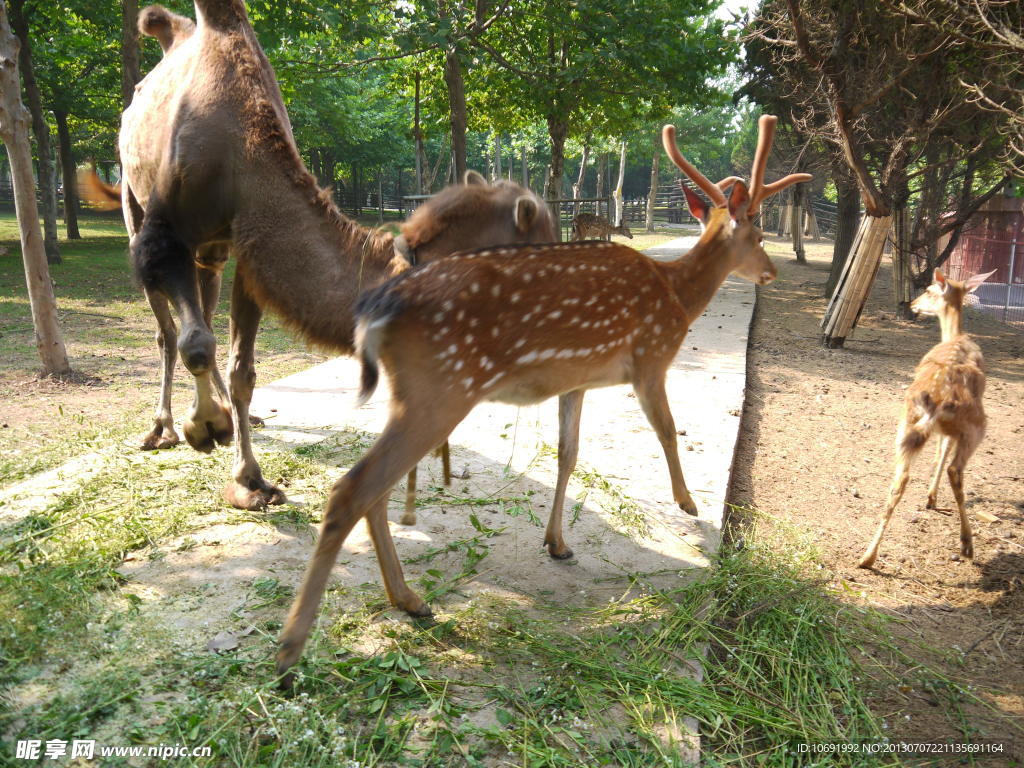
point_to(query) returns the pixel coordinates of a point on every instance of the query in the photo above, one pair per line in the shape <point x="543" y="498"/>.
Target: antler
<point x="668" y="139"/>
<point x="758" y="189"/>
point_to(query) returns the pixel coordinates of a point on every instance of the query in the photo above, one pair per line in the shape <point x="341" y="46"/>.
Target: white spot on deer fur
<point x="485" y="363"/>
<point x="458" y="365"/>
<point x="515" y="297"/>
<point x="565" y="354"/>
<point x="527" y="277"/>
<point x="648" y="319"/>
<point x="452" y="349"/>
<point x="591" y="301"/>
<point x="518" y="344"/>
<point x="469" y="338"/>
<point x="459" y="317"/>
<point x="547" y="354"/>
<point x="468" y="382"/>
<point x="657" y="328"/>
<point x="493" y="380"/>
<point x="529" y="357"/>
<point x="495" y="290"/>
<point x="555" y="315"/>
<point x="639" y="350"/>
<point x="438" y="317"/>
<point x="474" y="288"/>
<point x="447" y="305"/>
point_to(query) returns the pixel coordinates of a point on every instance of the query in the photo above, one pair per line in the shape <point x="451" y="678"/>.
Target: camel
<point x="210" y="168"/>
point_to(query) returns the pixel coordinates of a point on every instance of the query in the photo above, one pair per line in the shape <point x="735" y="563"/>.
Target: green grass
<point x="492" y="680"/>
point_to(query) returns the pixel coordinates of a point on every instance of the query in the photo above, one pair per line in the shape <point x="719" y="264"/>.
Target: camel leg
<point x="209" y="420"/>
<point x="247" y="488"/>
<point x="570" y="406"/>
<point x="650" y="391"/>
<point x="940" y="462"/>
<point x="409" y="434"/>
<point x="163" y="434"/>
<point x="965" y="446"/>
<point x="908" y="445"/>
<point x="165" y="264"/>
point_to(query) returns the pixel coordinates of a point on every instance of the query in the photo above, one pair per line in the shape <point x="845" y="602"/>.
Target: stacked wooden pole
<point x="855" y="283"/>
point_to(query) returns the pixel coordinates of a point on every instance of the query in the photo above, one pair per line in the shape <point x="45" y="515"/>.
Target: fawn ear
<point x="472" y="177"/>
<point x="526" y="212"/>
<point x="940" y="278"/>
<point x="739" y="201"/>
<point x="972" y="282"/>
<point x="697" y="206"/>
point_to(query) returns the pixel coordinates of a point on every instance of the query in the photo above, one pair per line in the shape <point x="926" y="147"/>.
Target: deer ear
<point x="472" y="177"/>
<point x="972" y="282"/>
<point x="526" y="212"/>
<point x="940" y="278"/>
<point x="739" y="201"/>
<point x="697" y="206"/>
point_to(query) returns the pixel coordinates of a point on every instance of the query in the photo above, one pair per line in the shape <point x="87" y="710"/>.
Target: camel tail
<point x="94" y="190"/>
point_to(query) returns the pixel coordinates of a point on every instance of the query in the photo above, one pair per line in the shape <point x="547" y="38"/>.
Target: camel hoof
<point x="204" y="434"/>
<point x="241" y="496"/>
<point x="157" y="440"/>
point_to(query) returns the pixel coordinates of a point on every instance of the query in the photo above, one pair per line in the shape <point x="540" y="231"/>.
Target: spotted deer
<point x="587" y="226"/>
<point x="945" y="396"/>
<point x="519" y="325"/>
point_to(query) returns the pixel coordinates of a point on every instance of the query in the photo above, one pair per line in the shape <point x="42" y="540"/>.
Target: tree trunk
<point x="131" y="72"/>
<point x="599" y="184"/>
<point x="380" y="197"/>
<point x="577" y="188"/>
<point x="457" y="105"/>
<point x="653" y="194"/>
<point x="796" y="223"/>
<point x="14" y="122"/>
<point x="69" y="173"/>
<point x="418" y="135"/>
<point x="47" y="179"/>
<point x="619" y="208"/>
<point x="847" y="221"/>
<point x="497" y="156"/>
<point x="558" y="129"/>
<point x="901" y="278"/>
<point x="811" y="224"/>
<point x="526" y="167"/>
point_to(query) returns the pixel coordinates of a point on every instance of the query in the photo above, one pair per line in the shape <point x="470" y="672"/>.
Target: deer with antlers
<point x="945" y="396"/>
<point x="492" y="325"/>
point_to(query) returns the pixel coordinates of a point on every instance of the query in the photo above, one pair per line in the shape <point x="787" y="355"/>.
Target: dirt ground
<point x="817" y="452"/>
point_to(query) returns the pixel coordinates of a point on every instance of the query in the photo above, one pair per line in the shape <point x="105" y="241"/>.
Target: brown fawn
<point x="945" y="396"/>
<point x="520" y="325"/>
<point x="587" y="226"/>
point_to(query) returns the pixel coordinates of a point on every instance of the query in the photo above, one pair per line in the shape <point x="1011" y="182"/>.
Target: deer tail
<point x="93" y="189"/>
<point x="374" y="311"/>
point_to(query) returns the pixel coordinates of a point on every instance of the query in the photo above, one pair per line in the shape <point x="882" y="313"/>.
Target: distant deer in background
<point x="945" y="396"/>
<point x="520" y="325"/>
<point x="587" y="226"/>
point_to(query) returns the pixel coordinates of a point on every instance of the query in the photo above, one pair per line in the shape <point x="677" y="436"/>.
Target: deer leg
<point x="908" y="445"/>
<point x="446" y="462"/>
<point x="964" y="448"/>
<point x="406" y="438"/>
<point x="399" y="593"/>
<point x="163" y="434"/>
<point x="940" y="462"/>
<point x="209" y="420"/>
<point x="570" y="406"/>
<point x="654" y="402"/>
<point x="409" y="514"/>
<point x="247" y="488"/>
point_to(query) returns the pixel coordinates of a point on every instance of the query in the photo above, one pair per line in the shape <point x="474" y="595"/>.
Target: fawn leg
<point x="964" y="448"/>
<point x="409" y="514"/>
<point x="163" y="434"/>
<point x="247" y="489"/>
<point x="446" y="462"/>
<point x="940" y="463"/>
<point x="654" y="401"/>
<point x="409" y="434"/>
<point x="570" y="405"/>
<point x="908" y="445"/>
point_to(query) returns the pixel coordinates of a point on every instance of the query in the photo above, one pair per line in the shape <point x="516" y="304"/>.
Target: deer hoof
<point x="555" y="553"/>
<point x="689" y="507"/>
<point x="407" y="518"/>
<point x="159" y="439"/>
<point x="932" y="503"/>
<point x="240" y="496"/>
<point x="422" y="611"/>
<point x="967" y="548"/>
<point x="867" y="561"/>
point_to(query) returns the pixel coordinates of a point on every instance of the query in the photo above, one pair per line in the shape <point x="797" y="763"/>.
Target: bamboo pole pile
<point x="855" y="283"/>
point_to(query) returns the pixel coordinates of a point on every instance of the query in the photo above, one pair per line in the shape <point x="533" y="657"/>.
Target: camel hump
<point x="222" y="14"/>
<point x="167" y="27"/>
